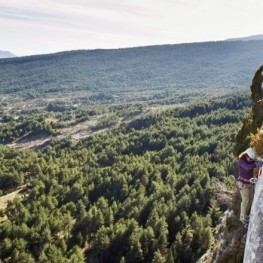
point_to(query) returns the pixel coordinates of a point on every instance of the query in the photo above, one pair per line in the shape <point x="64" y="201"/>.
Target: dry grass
<point x="257" y="142"/>
<point x="223" y="194"/>
<point x="11" y="196"/>
<point x="230" y="233"/>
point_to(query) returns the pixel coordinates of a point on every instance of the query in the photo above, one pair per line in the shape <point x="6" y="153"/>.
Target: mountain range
<point x="6" y="54"/>
<point x="248" y="38"/>
<point x="216" y="66"/>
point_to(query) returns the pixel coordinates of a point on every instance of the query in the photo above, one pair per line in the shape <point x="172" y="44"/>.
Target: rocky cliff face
<point x="234" y="243"/>
<point x="254" y="240"/>
<point x="251" y="135"/>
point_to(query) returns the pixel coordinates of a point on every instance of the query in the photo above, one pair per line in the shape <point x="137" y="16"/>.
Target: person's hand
<point x="259" y="163"/>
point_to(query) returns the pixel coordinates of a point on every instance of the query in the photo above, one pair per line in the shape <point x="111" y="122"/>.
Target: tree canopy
<point x="142" y="192"/>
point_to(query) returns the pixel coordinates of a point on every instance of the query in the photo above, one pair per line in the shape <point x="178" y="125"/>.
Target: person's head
<point x="250" y="155"/>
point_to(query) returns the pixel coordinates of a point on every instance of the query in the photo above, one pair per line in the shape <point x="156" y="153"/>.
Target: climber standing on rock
<point x="246" y="165"/>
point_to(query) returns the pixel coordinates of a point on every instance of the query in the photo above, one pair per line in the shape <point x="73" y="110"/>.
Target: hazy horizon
<point x="32" y="27"/>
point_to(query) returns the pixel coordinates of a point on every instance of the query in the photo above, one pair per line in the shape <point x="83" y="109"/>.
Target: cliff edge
<point x="233" y="242"/>
<point x="254" y="240"/>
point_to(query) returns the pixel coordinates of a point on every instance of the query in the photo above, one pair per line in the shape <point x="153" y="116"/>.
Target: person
<point x="246" y="165"/>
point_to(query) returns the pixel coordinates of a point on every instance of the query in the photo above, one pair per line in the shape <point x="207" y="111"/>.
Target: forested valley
<point x="144" y="190"/>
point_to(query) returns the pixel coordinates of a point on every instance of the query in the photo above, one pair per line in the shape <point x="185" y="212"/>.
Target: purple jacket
<point x="245" y="170"/>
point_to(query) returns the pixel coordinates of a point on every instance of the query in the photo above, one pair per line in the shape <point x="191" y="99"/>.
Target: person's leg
<point x="245" y="204"/>
<point x="251" y="196"/>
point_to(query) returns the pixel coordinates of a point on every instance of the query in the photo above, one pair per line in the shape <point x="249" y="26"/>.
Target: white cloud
<point x="33" y="26"/>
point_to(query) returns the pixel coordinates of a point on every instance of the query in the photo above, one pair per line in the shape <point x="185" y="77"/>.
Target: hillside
<point x="234" y="242"/>
<point x="145" y="191"/>
<point x="6" y="54"/>
<point x="180" y="72"/>
<point x="124" y="155"/>
<point x="248" y="38"/>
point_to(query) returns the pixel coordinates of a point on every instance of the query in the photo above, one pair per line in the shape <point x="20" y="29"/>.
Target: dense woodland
<point x="178" y="72"/>
<point x="143" y="191"/>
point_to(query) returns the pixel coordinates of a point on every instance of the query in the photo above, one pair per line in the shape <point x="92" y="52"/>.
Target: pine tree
<point x="158" y="257"/>
<point x="214" y="212"/>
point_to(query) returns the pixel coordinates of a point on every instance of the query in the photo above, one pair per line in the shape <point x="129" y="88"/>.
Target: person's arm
<point x="247" y="166"/>
<point x="241" y="155"/>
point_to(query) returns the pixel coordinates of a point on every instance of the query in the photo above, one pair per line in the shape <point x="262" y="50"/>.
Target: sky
<point x="29" y="27"/>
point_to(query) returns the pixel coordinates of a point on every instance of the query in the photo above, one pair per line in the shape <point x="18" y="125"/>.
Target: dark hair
<point x="244" y="156"/>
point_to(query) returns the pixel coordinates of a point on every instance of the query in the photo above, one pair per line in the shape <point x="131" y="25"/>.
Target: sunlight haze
<point x="38" y="27"/>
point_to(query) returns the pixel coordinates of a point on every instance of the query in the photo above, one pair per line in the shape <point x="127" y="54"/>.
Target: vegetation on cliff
<point x="253" y="121"/>
<point x="231" y="243"/>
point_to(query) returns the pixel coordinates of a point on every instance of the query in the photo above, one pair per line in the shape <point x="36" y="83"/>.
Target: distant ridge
<point x="248" y="38"/>
<point x="165" y="68"/>
<point x="6" y="54"/>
